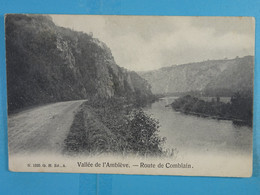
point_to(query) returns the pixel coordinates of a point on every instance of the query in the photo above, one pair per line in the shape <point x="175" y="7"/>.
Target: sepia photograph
<point x="152" y="95"/>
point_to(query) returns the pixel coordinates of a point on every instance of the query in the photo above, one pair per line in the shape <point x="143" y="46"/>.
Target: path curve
<point x="41" y="129"/>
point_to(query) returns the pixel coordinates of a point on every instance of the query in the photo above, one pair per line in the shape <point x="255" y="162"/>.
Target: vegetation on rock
<point x="211" y="77"/>
<point x="47" y="63"/>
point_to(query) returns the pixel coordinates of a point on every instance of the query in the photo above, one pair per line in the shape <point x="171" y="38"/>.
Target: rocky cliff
<point x="235" y="78"/>
<point x="47" y="63"/>
<point x="211" y="77"/>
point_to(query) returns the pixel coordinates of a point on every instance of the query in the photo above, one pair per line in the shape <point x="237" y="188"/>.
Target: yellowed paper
<point x="153" y="95"/>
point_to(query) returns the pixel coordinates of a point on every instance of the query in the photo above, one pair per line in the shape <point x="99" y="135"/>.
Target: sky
<point x="144" y="43"/>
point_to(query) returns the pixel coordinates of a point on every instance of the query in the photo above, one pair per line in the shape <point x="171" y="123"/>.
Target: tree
<point x="144" y="133"/>
<point x="242" y="106"/>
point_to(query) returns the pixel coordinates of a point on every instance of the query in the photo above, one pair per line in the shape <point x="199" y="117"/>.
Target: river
<point x="196" y="136"/>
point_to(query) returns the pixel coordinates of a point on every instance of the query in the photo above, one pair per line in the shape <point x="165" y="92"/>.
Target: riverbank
<point x="239" y="110"/>
<point x="113" y="126"/>
<point x="191" y="134"/>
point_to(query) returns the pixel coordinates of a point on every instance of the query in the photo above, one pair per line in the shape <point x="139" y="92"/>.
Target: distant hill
<point x="213" y="77"/>
<point x="47" y="63"/>
<point x="236" y="78"/>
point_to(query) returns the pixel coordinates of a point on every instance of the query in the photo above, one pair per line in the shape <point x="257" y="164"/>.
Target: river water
<point x="192" y="135"/>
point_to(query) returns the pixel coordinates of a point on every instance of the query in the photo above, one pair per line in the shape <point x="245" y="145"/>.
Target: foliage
<point x="239" y="109"/>
<point x="47" y="63"/>
<point x="111" y="125"/>
<point x="144" y="133"/>
<point x="242" y="107"/>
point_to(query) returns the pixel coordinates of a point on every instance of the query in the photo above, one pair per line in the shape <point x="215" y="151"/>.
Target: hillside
<point x="224" y="76"/>
<point x="234" y="79"/>
<point x="47" y="63"/>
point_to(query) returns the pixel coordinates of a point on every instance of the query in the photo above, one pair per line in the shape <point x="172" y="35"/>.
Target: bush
<point x="144" y="133"/>
<point x="109" y="125"/>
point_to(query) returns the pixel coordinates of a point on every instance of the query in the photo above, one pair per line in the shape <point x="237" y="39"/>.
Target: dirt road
<point x="41" y="129"/>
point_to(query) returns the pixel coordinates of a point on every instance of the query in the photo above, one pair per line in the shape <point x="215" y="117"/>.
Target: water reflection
<point x="192" y="134"/>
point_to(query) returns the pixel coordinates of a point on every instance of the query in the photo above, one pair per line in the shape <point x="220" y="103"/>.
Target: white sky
<point x="150" y="42"/>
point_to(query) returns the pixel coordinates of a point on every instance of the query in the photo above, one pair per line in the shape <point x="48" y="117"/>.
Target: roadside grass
<point x="113" y="126"/>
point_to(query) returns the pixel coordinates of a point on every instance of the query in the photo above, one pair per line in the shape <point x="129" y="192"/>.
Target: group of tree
<point x="239" y="109"/>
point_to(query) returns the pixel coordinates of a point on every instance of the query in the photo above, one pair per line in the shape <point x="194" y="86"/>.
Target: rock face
<point x="236" y="78"/>
<point x="221" y="76"/>
<point x="47" y="63"/>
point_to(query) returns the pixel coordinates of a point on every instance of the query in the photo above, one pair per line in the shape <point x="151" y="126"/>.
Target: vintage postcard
<point x="154" y="95"/>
